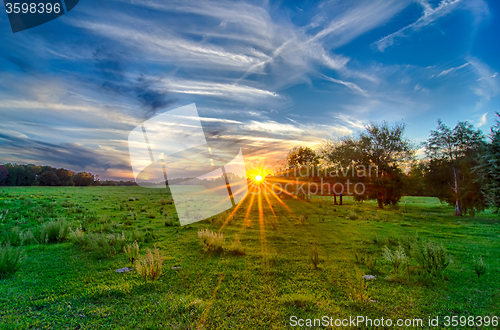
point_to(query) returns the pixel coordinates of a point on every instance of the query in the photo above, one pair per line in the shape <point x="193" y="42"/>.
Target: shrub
<point x="211" y="241"/>
<point x="479" y="267"/>
<point x="150" y="265"/>
<point x="132" y="251"/>
<point x="55" y="230"/>
<point x="10" y="258"/>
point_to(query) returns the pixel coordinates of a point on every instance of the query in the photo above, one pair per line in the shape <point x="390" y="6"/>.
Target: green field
<point x="61" y="285"/>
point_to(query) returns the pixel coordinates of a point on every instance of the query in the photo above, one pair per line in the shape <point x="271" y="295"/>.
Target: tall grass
<point x="54" y="230"/>
<point x="211" y="241"/>
<point x="10" y="258"/>
<point x="150" y="265"/>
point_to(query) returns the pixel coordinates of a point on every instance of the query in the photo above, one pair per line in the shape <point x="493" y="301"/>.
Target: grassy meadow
<point x="277" y="260"/>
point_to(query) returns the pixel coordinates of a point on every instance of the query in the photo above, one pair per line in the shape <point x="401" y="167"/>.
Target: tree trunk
<point x="458" y="212"/>
<point x="380" y="202"/>
<point x="340" y="199"/>
<point x="335" y="200"/>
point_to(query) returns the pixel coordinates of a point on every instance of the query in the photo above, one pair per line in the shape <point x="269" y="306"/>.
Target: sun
<point x="258" y="178"/>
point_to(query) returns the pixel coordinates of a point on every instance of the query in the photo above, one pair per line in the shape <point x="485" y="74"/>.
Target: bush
<point x="211" y="241"/>
<point x="132" y="251"/>
<point x="150" y="265"/>
<point x="54" y="230"/>
<point x="10" y="258"/>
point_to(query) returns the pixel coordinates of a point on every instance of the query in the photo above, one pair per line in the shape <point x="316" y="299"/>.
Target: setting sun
<point x="258" y="178"/>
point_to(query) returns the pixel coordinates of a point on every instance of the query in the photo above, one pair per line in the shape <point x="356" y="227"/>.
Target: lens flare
<point x="258" y="178"/>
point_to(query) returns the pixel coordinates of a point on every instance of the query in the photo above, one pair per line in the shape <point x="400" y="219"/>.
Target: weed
<point x="77" y="237"/>
<point x="211" y="241"/>
<point x="357" y="286"/>
<point x="315" y="256"/>
<point x="236" y="248"/>
<point x="479" y="267"/>
<point x="353" y="215"/>
<point x="303" y="219"/>
<point x="150" y="265"/>
<point x="55" y="230"/>
<point x="10" y="258"/>
<point x="132" y="251"/>
<point x="396" y="258"/>
<point x="371" y="264"/>
<point x="164" y="201"/>
<point x="27" y="237"/>
<point x="433" y="258"/>
<point x="13" y="236"/>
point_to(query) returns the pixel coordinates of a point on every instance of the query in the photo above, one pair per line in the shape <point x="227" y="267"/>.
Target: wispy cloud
<point x="350" y="85"/>
<point x="447" y="71"/>
<point x="482" y="120"/>
<point x="487" y="84"/>
<point x="430" y="15"/>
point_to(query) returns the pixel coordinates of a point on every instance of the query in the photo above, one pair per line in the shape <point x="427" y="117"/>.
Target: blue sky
<point x="268" y="75"/>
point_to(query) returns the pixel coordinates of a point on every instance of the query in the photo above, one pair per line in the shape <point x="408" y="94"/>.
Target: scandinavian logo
<point x="25" y="14"/>
<point x="171" y="150"/>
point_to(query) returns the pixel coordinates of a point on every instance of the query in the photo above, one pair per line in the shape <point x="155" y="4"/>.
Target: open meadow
<point x="277" y="259"/>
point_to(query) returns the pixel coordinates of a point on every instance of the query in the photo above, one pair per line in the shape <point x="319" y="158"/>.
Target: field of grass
<point x="297" y="259"/>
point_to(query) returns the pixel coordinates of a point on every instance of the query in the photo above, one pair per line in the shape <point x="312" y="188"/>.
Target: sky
<point x="267" y="75"/>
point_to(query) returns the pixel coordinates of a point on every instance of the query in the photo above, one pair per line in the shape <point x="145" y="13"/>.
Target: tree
<point x="488" y="168"/>
<point x="65" y="177"/>
<point x="83" y="179"/>
<point x="415" y="184"/>
<point x="301" y="156"/>
<point x="376" y="154"/>
<point x="4" y="173"/>
<point x="453" y="154"/>
<point x="49" y="178"/>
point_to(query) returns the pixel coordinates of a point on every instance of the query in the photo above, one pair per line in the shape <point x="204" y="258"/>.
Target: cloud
<point x="487" y="85"/>
<point x="350" y="85"/>
<point x="430" y="15"/>
<point x="273" y="127"/>
<point x="445" y="72"/>
<point x="482" y="120"/>
<point x="69" y="155"/>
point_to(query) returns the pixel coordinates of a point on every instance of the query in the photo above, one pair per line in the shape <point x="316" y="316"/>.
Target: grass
<point x="63" y="285"/>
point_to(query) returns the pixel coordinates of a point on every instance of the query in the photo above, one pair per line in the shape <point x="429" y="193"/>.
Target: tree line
<point x="35" y="175"/>
<point x="461" y="164"/>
